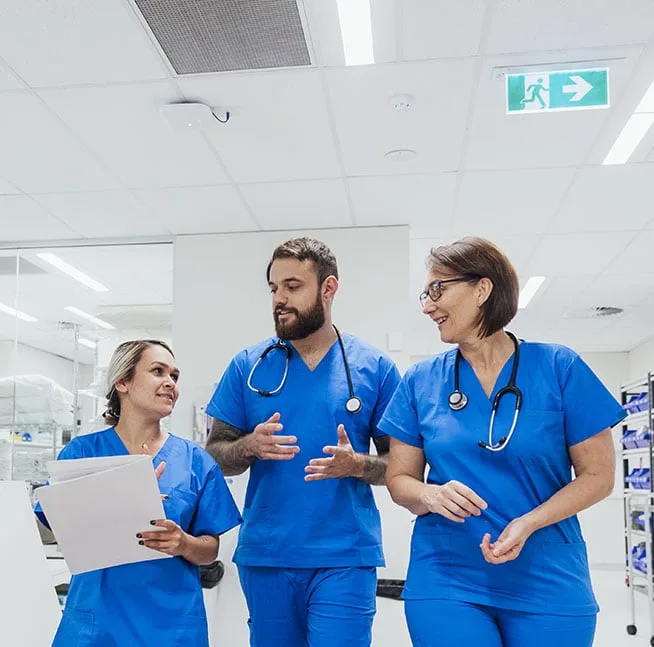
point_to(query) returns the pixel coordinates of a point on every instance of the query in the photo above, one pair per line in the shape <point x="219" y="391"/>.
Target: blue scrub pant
<point x="451" y="623"/>
<point x="306" y="607"/>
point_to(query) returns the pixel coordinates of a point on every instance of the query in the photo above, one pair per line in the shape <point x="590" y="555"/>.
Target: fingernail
<point x="141" y="543"/>
<point x="139" y="535"/>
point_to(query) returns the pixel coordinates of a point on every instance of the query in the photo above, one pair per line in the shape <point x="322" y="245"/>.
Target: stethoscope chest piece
<point x="353" y="405"/>
<point x="457" y="400"/>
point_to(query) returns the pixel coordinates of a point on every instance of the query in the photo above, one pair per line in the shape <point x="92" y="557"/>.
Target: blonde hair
<point x="122" y="367"/>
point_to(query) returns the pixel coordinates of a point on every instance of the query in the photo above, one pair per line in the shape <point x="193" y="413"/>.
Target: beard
<point x="304" y="324"/>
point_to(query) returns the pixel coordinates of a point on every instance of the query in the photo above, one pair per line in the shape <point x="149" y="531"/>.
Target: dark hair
<point x="122" y="367"/>
<point x="479" y="257"/>
<point x="307" y="249"/>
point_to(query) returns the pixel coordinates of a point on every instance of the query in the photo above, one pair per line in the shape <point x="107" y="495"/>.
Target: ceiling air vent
<point x="607" y="311"/>
<point x="201" y="36"/>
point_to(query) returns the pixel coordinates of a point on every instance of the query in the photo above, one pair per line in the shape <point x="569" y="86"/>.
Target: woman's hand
<point x="454" y="501"/>
<point x="172" y="540"/>
<point x="509" y="544"/>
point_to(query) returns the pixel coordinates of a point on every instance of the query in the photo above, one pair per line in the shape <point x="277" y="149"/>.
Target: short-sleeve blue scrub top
<point x="155" y="602"/>
<point x="564" y="403"/>
<point x="288" y="522"/>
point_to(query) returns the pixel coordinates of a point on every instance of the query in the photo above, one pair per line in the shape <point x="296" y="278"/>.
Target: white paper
<point x="29" y="608"/>
<point x="95" y="517"/>
<point x="66" y="470"/>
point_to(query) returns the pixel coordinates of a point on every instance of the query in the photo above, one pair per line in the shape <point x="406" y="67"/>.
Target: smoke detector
<point x="401" y="155"/>
<point x="402" y="103"/>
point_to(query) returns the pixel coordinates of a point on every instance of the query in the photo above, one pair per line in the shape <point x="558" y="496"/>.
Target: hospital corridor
<point x="326" y="323"/>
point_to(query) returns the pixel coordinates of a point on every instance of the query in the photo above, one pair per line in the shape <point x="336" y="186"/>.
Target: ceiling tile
<point x="637" y="257"/>
<point x="532" y="25"/>
<point x="75" y="41"/>
<point x="23" y="219"/>
<point x="279" y="127"/>
<point x="416" y="200"/>
<point x="605" y="197"/>
<point x="570" y="254"/>
<point x="299" y="205"/>
<point x="38" y="153"/>
<point x="519" y="202"/>
<point x="109" y="214"/>
<point x="368" y="128"/>
<point x="123" y="126"/>
<point x="441" y="28"/>
<point x="202" y="209"/>
<point x="6" y="188"/>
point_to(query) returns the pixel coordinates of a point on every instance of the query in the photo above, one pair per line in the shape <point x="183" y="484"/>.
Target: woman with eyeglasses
<point x="157" y="602"/>
<point x="497" y="557"/>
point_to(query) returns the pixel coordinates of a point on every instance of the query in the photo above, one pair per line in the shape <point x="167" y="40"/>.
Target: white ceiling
<point x="85" y="154"/>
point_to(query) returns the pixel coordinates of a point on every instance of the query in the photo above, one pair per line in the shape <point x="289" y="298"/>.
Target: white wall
<point x="603" y="524"/>
<point x="641" y="360"/>
<point x="222" y="303"/>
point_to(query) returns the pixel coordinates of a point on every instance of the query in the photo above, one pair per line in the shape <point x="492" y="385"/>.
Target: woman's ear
<point x="121" y="386"/>
<point x="484" y="290"/>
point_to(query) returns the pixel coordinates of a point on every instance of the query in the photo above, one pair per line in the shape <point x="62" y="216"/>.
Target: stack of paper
<point x="96" y="506"/>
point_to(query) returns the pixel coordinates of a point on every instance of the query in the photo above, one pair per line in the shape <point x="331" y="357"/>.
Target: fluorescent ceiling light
<point x="87" y="342"/>
<point x="73" y="272"/>
<point x="88" y="317"/>
<point x="356" y="31"/>
<point x="529" y="290"/>
<point x="632" y="134"/>
<point x="634" y="130"/>
<point x="17" y="313"/>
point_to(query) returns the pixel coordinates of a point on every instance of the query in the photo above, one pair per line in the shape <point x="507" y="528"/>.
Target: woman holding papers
<point x="157" y="601"/>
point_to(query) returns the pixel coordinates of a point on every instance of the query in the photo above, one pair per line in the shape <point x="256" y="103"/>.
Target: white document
<point x="95" y="507"/>
<point x="29" y="608"/>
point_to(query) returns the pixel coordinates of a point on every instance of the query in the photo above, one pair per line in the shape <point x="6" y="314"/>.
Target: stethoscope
<point x="458" y="400"/>
<point x="353" y="404"/>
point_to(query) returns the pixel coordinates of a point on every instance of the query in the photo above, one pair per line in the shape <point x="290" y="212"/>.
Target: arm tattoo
<point x="225" y="444"/>
<point x="374" y="469"/>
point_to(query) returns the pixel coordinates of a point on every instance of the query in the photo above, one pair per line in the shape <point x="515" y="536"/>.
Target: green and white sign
<point x="557" y="91"/>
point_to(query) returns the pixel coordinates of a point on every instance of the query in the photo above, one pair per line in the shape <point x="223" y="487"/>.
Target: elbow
<point x="609" y="486"/>
<point x="391" y="486"/>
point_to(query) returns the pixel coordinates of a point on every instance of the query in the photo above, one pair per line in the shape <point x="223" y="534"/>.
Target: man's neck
<point x="317" y="343"/>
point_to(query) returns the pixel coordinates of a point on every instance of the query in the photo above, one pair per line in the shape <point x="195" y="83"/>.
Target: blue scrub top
<point x="564" y="403"/>
<point x="155" y="602"/>
<point x="288" y="522"/>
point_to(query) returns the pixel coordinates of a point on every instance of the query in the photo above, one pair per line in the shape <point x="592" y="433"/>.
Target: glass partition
<point x="69" y="308"/>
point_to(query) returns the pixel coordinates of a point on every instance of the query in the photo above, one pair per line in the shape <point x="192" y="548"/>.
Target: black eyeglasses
<point x="434" y="290"/>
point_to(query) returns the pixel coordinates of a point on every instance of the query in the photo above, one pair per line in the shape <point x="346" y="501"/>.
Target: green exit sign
<point x="557" y="91"/>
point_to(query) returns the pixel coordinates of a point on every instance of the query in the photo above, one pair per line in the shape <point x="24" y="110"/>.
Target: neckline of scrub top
<point x="122" y="449"/>
<point x="469" y="379"/>
<point x="322" y="359"/>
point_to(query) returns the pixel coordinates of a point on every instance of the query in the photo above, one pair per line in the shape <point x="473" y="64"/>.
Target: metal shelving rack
<point x="638" y="500"/>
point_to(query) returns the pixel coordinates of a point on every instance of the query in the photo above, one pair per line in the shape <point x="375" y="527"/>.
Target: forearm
<point x="233" y="456"/>
<point x="583" y="492"/>
<point x="373" y="469"/>
<point x="408" y="491"/>
<point x="201" y="550"/>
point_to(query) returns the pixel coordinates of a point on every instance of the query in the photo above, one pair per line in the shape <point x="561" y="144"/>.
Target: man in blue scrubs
<point x="286" y="409"/>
